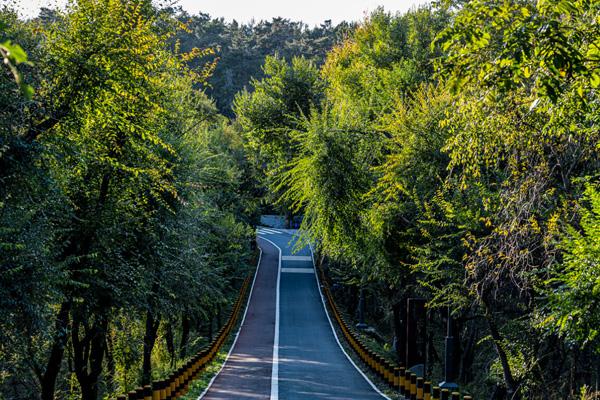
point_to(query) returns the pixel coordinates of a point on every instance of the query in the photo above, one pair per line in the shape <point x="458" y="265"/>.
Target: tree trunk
<point x="88" y="354"/>
<point x="509" y="381"/>
<point x="361" y="308"/>
<point x="210" y="327"/>
<point x="351" y="293"/>
<point x="466" y="366"/>
<point x="110" y="360"/>
<point x="399" y="310"/>
<point x="170" y="342"/>
<point x="185" y="335"/>
<point x="61" y="327"/>
<point x="149" y="341"/>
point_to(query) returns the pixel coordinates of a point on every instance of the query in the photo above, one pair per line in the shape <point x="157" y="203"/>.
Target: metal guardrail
<point x="178" y="383"/>
<point x="397" y="377"/>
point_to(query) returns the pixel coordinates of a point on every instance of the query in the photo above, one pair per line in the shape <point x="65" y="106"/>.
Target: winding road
<point x="286" y="347"/>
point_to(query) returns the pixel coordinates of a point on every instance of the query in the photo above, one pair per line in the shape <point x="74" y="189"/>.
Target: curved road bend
<point x="310" y="363"/>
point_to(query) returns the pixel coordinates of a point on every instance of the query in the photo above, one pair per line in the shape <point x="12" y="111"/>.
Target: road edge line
<point x="238" y="331"/>
<point x="335" y="334"/>
<point x="275" y="358"/>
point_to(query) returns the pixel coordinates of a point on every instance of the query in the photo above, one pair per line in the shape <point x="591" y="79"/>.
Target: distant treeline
<point x="241" y="48"/>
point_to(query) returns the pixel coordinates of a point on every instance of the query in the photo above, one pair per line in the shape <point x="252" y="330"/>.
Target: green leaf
<point x="595" y="80"/>
<point x="27" y="90"/>
<point x="15" y="52"/>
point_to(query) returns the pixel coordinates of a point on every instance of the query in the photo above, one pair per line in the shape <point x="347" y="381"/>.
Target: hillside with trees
<point x="240" y="48"/>
<point x="450" y="153"/>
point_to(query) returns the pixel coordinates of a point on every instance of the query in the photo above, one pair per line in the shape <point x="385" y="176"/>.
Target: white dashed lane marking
<point x="296" y="258"/>
<point x="299" y="270"/>
<point x="266" y="231"/>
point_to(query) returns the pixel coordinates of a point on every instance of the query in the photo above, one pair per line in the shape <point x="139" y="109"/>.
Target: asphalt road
<point x="304" y="360"/>
<point x="247" y="372"/>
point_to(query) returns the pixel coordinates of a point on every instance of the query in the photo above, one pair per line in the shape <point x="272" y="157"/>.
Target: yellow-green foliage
<point x="136" y="218"/>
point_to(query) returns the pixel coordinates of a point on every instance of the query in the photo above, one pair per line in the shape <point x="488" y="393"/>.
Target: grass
<point x="201" y="383"/>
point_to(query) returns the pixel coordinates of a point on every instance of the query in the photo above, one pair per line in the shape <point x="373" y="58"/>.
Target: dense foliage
<point x="449" y="153"/>
<point x="454" y="157"/>
<point x="124" y="211"/>
<point x="271" y="111"/>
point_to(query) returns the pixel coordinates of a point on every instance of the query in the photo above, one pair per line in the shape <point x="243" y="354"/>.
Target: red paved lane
<point x="247" y="372"/>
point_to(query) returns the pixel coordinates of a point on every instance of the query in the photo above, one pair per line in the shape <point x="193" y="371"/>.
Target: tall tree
<point x="276" y="106"/>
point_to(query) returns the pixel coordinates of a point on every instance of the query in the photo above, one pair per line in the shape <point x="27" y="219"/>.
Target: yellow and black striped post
<point x="397" y="378"/>
<point x="407" y="374"/>
<point x="427" y="390"/>
<point x="139" y="393"/>
<point x="392" y="375"/>
<point x="192" y="368"/>
<point x="420" y="391"/>
<point x="445" y="394"/>
<point x="435" y="393"/>
<point x="156" y="390"/>
<point x="389" y="373"/>
<point x="375" y="363"/>
<point x="147" y="392"/>
<point x="172" y="385"/>
<point x="455" y="396"/>
<point x="386" y="372"/>
<point x="362" y="351"/>
<point x="132" y="395"/>
<point x="413" y="386"/>
<point x="187" y="373"/>
<point x="163" y="389"/>
<point x="370" y="360"/>
<point x="178" y="382"/>
<point x="402" y="381"/>
<point x="195" y="368"/>
<point x="182" y="380"/>
<point x="168" y="383"/>
<point x="377" y="360"/>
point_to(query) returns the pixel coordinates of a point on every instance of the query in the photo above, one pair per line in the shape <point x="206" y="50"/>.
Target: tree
<point x="521" y="132"/>
<point x="573" y="289"/>
<point x="273" y="109"/>
<point x="28" y="205"/>
<point x="109" y="155"/>
<point x="457" y="190"/>
<point x="123" y="195"/>
<point x="359" y="206"/>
